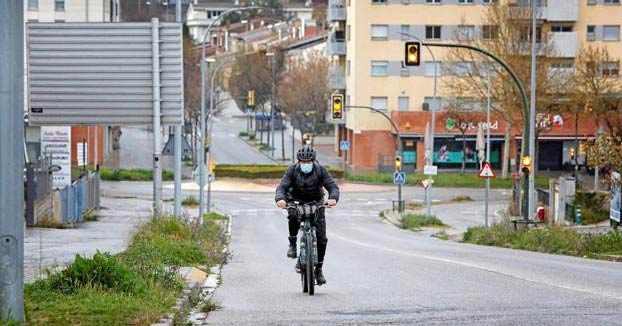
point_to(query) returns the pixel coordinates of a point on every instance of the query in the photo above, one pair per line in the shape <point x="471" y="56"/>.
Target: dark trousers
<point x="320" y="233"/>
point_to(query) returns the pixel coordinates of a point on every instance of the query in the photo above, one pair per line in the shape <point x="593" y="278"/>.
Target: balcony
<point x="566" y="43"/>
<point x="563" y="10"/>
<point x="336" y="11"/>
<point x="518" y="11"/>
<point x="336" y="43"/>
<point x="336" y="77"/>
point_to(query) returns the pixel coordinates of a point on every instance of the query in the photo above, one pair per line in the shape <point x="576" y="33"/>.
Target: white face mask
<point x="306" y="167"/>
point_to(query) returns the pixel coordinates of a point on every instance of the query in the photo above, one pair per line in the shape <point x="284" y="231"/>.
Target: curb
<point x="183" y="309"/>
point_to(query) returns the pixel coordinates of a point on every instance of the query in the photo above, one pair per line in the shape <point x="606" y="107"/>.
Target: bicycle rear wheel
<point x="310" y="276"/>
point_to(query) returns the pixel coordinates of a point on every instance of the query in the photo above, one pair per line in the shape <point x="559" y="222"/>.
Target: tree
<point x="506" y="32"/>
<point x="605" y="152"/>
<point x="597" y="88"/>
<point x="304" y="92"/>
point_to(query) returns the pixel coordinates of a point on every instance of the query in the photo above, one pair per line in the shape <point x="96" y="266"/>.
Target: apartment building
<point x="70" y="11"/>
<point x="367" y="46"/>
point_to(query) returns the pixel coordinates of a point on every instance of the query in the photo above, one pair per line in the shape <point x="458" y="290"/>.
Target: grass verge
<point x="133" y="175"/>
<point x="418" y="221"/>
<point x="135" y="287"/>
<point x="550" y="239"/>
<point x="190" y="201"/>
<point x="260" y="171"/>
<point x="442" y="180"/>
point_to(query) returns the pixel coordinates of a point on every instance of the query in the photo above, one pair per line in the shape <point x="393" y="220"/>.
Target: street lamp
<point x="203" y="67"/>
<point x="272" y="98"/>
<point x="429" y="151"/>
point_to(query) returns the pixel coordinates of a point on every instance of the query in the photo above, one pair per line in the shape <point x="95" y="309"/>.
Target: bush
<point x="609" y="243"/>
<point x="417" y="221"/>
<point x="133" y="175"/>
<point x="243" y="134"/>
<point x="260" y="171"/>
<point x="448" y="179"/>
<point x="190" y="201"/>
<point x="100" y="271"/>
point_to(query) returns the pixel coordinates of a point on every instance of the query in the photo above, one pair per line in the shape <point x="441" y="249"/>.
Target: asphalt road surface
<point x="380" y="275"/>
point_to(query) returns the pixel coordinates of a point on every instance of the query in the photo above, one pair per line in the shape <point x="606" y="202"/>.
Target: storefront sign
<point x="451" y="124"/>
<point x="56" y="142"/>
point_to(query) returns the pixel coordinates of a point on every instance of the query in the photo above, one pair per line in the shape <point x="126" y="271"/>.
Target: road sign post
<point x="487" y="173"/>
<point x="399" y="178"/>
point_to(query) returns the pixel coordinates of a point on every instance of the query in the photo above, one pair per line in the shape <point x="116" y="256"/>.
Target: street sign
<point x="103" y="74"/>
<point x="425" y="183"/>
<point x="170" y="150"/>
<point x="486" y="171"/>
<point x="56" y="142"/>
<point x="211" y="178"/>
<point x="399" y="178"/>
<point x="344" y="145"/>
<point x="430" y="170"/>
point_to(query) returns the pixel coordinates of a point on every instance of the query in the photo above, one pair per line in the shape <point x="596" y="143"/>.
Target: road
<point x="227" y="147"/>
<point x="379" y="274"/>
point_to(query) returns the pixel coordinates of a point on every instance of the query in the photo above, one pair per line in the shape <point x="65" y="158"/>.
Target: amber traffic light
<point x="412" y="54"/>
<point x="525" y="164"/>
<point x="337" y="106"/>
<point x="398" y="163"/>
<point x="250" y="100"/>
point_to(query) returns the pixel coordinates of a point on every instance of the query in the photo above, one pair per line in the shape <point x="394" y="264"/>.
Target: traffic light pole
<point x="526" y="109"/>
<point x="399" y="143"/>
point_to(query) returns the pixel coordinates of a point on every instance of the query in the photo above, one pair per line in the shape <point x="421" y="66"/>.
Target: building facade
<point x="367" y="46"/>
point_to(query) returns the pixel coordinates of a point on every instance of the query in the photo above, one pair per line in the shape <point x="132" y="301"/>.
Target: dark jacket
<point x="297" y="185"/>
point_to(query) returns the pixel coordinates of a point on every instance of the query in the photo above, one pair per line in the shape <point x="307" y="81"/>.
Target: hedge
<point x="260" y="171"/>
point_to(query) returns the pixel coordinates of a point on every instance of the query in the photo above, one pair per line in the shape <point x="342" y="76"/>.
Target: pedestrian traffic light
<point x="337" y="106"/>
<point x="398" y="163"/>
<point x="572" y="154"/>
<point x="250" y="100"/>
<point x="526" y="164"/>
<point x="412" y="54"/>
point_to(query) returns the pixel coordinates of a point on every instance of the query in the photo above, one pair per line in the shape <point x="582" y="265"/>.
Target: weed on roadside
<point x="190" y="201"/>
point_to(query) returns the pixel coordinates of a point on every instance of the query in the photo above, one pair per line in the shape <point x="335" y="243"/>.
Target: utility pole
<point x="177" y="138"/>
<point x="532" y="116"/>
<point x="157" y="135"/>
<point x="12" y="161"/>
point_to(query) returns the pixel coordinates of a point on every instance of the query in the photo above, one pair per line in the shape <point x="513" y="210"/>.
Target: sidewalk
<point x="49" y="248"/>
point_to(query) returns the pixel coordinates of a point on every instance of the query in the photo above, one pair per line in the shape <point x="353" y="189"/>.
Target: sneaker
<point x="319" y="276"/>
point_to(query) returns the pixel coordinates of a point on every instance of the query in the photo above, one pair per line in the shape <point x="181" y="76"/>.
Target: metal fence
<point x="38" y="191"/>
<point x="79" y="199"/>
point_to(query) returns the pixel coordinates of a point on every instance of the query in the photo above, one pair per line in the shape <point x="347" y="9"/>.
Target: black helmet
<point x="306" y="154"/>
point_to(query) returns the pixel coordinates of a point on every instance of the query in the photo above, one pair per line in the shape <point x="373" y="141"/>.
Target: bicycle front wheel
<point x="309" y="271"/>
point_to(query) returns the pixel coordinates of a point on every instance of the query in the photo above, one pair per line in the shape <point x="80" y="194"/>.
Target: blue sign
<point x="344" y="145"/>
<point x="399" y="178"/>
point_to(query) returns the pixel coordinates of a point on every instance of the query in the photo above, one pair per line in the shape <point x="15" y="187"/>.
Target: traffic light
<point x="572" y="153"/>
<point x="412" y="52"/>
<point x="337" y="106"/>
<point x="306" y="139"/>
<point x="398" y="163"/>
<point x="525" y="164"/>
<point x="250" y="100"/>
<point x="212" y="166"/>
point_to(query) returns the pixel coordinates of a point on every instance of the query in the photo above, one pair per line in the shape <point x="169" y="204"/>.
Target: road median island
<point x="138" y="286"/>
<point x="449" y="179"/>
<point x="250" y="171"/>
<point x="549" y="239"/>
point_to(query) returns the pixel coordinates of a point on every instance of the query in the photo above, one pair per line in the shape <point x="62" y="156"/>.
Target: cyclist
<point x="303" y="182"/>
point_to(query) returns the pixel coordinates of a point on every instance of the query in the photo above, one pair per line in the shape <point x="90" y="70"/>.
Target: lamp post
<point x="429" y="151"/>
<point x="272" y="98"/>
<point x="599" y="133"/>
<point x="203" y="72"/>
<point x="531" y="206"/>
<point x="399" y="143"/>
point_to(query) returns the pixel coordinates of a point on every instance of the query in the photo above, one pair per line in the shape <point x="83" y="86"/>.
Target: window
<point x="402" y="103"/>
<point x="33" y="5"/>
<point x="490" y="32"/>
<point x="433" y="1"/>
<point x="561" y="28"/>
<point x="591" y="33"/>
<point x="561" y="65"/>
<point x="59" y="5"/>
<point x="489" y="1"/>
<point x="379" y="68"/>
<point x="525" y="34"/>
<point x="610" y="69"/>
<point x="429" y="68"/>
<point x="611" y="32"/>
<point x="591" y="2"/>
<point x="429" y="102"/>
<point x="433" y="32"/>
<point x="379" y="32"/>
<point x="465" y="1"/>
<point x="379" y="102"/>
<point x="459" y="68"/>
<point x="404" y="32"/>
<point x="378" y="1"/>
<point x="466" y="32"/>
<point x="612" y="2"/>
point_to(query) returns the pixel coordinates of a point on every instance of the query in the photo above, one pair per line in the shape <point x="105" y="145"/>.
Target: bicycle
<point x="307" y="253"/>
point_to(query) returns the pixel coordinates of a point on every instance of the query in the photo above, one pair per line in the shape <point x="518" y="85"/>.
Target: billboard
<point x="104" y="73"/>
<point x="56" y="142"/>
